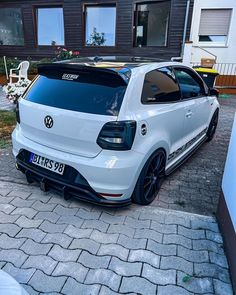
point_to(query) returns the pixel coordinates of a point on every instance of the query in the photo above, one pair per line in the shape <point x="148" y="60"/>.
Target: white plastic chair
<point x="22" y="72"/>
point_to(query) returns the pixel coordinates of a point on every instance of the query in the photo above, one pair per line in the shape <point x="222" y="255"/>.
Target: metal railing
<point x="227" y="74"/>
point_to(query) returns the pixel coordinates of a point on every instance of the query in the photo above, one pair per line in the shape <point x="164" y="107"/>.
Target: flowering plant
<point x="63" y="53"/>
<point x="16" y="90"/>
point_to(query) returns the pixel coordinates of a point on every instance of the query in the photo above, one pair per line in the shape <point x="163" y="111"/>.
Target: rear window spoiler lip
<point x="44" y="67"/>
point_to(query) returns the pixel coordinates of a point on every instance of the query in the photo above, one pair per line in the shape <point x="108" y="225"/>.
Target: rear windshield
<point x="89" y="92"/>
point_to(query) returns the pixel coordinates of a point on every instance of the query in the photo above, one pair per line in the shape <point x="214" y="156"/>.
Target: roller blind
<point x="215" y="22"/>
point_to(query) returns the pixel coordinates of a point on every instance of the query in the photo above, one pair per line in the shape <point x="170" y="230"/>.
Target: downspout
<point x="180" y="58"/>
<point x="185" y="28"/>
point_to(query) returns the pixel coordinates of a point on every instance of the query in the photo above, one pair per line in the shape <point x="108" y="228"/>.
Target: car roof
<point x="114" y="62"/>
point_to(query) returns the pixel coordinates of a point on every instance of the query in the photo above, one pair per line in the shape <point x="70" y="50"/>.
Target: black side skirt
<point x="185" y="158"/>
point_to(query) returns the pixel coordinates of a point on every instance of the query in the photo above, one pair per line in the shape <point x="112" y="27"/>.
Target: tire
<point x="150" y="179"/>
<point x="212" y="127"/>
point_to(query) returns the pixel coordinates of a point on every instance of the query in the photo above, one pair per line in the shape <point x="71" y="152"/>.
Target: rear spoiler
<point x="45" y="69"/>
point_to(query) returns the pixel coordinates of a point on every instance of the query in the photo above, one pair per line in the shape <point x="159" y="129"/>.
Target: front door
<point x="164" y="108"/>
<point x="195" y="102"/>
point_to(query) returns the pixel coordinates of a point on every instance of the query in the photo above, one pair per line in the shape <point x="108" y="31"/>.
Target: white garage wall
<point x="229" y="178"/>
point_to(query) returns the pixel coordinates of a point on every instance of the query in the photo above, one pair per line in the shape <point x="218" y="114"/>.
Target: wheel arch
<point x="146" y="159"/>
<point x="136" y="196"/>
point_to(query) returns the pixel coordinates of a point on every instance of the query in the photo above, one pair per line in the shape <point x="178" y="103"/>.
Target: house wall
<point x="74" y="29"/>
<point x="226" y="212"/>
<point x="224" y="54"/>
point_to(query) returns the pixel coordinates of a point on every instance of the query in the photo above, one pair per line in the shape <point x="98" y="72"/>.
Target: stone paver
<point x="104" y="277"/>
<point x="144" y="256"/>
<point x="78" y="248"/>
<point x="175" y="262"/>
<point x="138" y="285"/>
<point x="72" y="287"/>
<point x="32" y="248"/>
<point x="44" y="283"/>
<point x="125" y="268"/>
<point x="42" y="262"/>
<point x="159" y="276"/>
<point x="60" y="254"/>
<point x="93" y="261"/>
<point x="72" y="269"/>
<point x="114" y="250"/>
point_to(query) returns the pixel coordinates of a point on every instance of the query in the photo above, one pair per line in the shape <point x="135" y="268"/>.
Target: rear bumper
<point x="83" y="193"/>
<point x="111" y="176"/>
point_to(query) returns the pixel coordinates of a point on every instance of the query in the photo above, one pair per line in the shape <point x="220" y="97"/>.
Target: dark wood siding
<point x="74" y="29"/>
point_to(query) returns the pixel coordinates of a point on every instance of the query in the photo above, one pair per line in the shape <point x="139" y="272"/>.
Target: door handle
<point x="189" y="114"/>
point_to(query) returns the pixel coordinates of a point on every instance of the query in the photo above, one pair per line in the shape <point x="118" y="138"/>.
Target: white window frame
<point x="215" y="44"/>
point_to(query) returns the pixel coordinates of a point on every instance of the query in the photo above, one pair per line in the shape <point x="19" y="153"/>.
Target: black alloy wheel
<point x="150" y="179"/>
<point x="213" y="125"/>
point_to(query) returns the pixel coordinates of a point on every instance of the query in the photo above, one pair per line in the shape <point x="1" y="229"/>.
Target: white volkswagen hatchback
<point x="107" y="130"/>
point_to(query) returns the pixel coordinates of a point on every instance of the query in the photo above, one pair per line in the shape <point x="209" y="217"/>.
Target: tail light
<point x="117" y="135"/>
<point x="17" y="112"/>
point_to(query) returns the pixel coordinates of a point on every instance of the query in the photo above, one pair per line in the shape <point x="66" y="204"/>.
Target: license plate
<point x="47" y="163"/>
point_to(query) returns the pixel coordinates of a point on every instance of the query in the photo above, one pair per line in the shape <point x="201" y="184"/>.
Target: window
<point x="160" y="86"/>
<point x="100" y="25"/>
<point x="90" y="92"/>
<point x="152" y="23"/>
<point x="50" y="26"/>
<point x="214" y="25"/>
<point x="11" y="26"/>
<point x="190" y="85"/>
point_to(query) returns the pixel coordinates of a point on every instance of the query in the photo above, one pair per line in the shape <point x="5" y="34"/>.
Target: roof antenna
<point x="98" y="58"/>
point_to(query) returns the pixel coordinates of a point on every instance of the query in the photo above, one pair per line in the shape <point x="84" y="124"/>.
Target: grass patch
<point x="7" y="124"/>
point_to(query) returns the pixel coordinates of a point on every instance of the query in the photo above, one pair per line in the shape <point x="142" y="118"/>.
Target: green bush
<point x="11" y="64"/>
<point x="34" y="64"/>
<point x="61" y="53"/>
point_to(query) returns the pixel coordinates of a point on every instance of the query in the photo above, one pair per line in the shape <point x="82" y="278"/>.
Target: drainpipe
<point x="180" y="58"/>
<point x="185" y="27"/>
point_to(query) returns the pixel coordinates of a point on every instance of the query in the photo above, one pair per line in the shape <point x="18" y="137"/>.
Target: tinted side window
<point x="190" y="85"/>
<point x="160" y="86"/>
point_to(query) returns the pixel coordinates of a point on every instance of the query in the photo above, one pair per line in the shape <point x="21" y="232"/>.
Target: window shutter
<point x="215" y="22"/>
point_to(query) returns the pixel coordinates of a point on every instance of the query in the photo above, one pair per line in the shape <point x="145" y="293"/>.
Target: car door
<point x="162" y="99"/>
<point x="195" y="102"/>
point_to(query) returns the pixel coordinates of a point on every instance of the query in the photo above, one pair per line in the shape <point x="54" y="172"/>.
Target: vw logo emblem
<point x="48" y="121"/>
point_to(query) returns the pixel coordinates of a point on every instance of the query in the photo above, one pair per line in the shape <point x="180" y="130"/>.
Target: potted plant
<point x="16" y="90"/>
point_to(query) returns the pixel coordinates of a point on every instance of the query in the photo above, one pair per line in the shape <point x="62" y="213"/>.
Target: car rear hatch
<point x="67" y="105"/>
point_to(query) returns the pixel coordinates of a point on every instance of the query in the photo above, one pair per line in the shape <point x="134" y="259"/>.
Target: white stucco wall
<point x="229" y="178"/>
<point x="225" y="54"/>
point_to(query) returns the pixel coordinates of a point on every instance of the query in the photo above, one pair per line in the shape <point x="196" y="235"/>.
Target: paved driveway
<point x="52" y="246"/>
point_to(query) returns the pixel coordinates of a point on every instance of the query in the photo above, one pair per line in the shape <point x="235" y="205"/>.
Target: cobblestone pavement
<point x="5" y="104"/>
<point x="53" y="246"/>
<point x="194" y="187"/>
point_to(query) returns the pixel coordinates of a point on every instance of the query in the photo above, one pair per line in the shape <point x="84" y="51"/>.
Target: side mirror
<point x="213" y="92"/>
